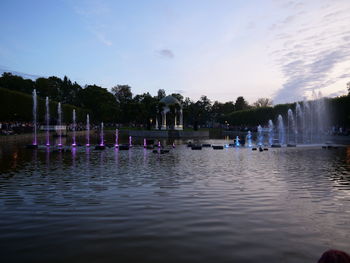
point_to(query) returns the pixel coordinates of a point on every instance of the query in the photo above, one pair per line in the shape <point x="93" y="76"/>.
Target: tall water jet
<point x="298" y="122"/>
<point x="102" y="143"/>
<point x="47" y="120"/>
<point x="260" y="136"/>
<point x="280" y="127"/>
<point x="144" y="143"/>
<point x="249" y="139"/>
<point x="59" y="110"/>
<point x="116" y="138"/>
<point x="307" y="122"/>
<point x="291" y="131"/>
<point x="87" y="130"/>
<point x="74" y="129"/>
<point x="130" y="141"/>
<point x="35" y="141"/>
<point x="271" y="133"/>
<point x="237" y="141"/>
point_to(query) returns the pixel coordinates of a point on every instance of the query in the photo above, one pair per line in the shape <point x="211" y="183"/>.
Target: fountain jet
<point x="47" y="119"/>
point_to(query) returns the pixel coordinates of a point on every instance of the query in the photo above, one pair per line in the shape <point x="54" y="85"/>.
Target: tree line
<point x="120" y="105"/>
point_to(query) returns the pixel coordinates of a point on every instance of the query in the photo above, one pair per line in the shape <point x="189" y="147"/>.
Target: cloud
<point x="165" y="53"/>
<point x="315" y="52"/>
<point x="17" y="73"/>
<point x="94" y="14"/>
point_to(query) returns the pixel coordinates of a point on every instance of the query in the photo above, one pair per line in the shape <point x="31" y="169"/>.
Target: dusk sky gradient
<point x="222" y="49"/>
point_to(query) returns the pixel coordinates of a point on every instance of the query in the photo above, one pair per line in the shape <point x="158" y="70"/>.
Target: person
<point x="334" y="256"/>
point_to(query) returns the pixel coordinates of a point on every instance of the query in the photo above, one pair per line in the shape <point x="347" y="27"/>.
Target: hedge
<point x="18" y="106"/>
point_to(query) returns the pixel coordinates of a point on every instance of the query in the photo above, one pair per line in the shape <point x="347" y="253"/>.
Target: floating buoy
<point x="218" y="147"/>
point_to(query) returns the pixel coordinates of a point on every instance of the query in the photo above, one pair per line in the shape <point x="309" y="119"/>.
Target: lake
<point x="231" y="205"/>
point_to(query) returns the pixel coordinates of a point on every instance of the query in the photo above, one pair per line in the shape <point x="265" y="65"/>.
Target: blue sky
<point x="223" y="49"/>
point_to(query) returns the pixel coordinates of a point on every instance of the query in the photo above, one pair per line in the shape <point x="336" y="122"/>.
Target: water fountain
<point x="260" y="136"/>
<point x="144" y="143"/>
<point x="291" y="131"/>
<point x="298" y="122"/>
<point x="87" y="130"/>
<point x="237" y="141"/>
<point x="59" y="110"/>
<point x="116" y="138"/>
<point x="102" y="143"/>
<point x="280" y="127"/>
<point x="74" y="129"/>
<point x="34" y="145"/>
<point x="271" y="133"/>
<point x="47" y="119"/>
<point x="130" y="141"/>
<point x="249" y="139"/>
<point x="101" y="146"/>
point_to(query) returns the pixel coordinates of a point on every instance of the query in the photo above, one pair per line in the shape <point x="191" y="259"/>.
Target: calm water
<point x="233" y="205"/>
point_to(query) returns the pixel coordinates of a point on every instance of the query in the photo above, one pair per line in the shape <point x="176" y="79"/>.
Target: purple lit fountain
<point x="74" y="129"/>
<point x="130" y="141"/>
<point x="116" y="138"/>
<point x="34" y="145"/>
<point x="47" y="119"/>
<point x="35" y="141"/>
<point x="144" y="143"/>
<point x="101" y="146"/>
<point x="87" y="130"/>
<point x="102" y="135"/>
<point x="59" y="110"/>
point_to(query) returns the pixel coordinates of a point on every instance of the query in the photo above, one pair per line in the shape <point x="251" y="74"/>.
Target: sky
<point x="280" y="49"/>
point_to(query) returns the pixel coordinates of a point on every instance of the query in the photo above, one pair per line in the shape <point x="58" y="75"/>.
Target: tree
<point x="161" y="94"/>
<point x="178" y="96"/>
<point x="122" y="93"/>
<point x="13" y="82"/>
<point x="101" y="102"/>
<point x="348" y="86"/>
<point x="241" y="104"/>
<point x="263" y="102"/>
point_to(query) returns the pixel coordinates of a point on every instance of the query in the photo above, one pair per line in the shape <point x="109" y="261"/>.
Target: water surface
<point x="231" y="205"/>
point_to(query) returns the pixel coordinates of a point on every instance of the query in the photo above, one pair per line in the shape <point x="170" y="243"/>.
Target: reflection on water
<point x="233" y="205"/>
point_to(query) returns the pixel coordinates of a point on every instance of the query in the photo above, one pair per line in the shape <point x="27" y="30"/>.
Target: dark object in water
<point x="206" y="145"/>
<point x="100" y="147"/>
<point x="218" y="147"/>
<point x="232" y="145"/>
<point x="164" y="151"/>
<point x="324" y="147"/>
<point x="254" y="149"/>
<point x="123" y="147"/>
<point x="196" y="147"/>
<point x="334" y="256"/>
<point x="155" y="151"/>
<point x="189" y="144"/>
<point x="32" y="146"/>
<point x="260" y="149"/>
<point x="148" y="142"/>
<point x="276" y="146"/>
<point x="291" y="145"/>
<point x="266" y="149"/>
